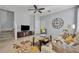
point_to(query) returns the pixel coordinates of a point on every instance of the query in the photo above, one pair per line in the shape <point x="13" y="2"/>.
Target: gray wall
<point x="77" y="19"/>
<point x="67" y="15"/>
<point x="6" y="20"/>
<point x="23" y="18"/>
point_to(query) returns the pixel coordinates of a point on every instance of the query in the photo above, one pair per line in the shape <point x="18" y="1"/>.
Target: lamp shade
<point x="73" y="26"/>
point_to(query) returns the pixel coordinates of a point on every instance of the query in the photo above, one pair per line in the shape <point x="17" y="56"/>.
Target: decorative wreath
<point x="57" y="23"/>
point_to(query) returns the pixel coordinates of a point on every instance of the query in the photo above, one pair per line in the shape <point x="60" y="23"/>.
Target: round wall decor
<point x="57" y="23"/>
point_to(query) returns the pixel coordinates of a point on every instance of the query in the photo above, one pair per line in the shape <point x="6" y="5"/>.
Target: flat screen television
<point x="25" y="27"/>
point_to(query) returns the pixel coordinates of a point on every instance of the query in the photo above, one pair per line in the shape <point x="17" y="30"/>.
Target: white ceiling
<point x="52" y="8"/>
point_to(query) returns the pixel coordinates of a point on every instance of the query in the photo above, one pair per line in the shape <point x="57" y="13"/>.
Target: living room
<point x="38" y="27"/>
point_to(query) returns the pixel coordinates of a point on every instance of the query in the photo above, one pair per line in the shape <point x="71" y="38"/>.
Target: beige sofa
<point x="62" y="47"/>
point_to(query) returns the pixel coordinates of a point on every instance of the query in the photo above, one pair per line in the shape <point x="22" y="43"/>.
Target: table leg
<point x="40" y="45"/>
<point x="33" y="40"/>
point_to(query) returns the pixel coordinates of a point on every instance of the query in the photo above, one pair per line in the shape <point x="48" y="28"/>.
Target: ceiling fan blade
<point x="40" y="11"/>
<point x="31" y="9"/>
<point x="41" y="8"/>
<point x="35" y="6"/>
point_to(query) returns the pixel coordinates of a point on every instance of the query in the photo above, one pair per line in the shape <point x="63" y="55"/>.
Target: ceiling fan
<point x="37" y="9"/>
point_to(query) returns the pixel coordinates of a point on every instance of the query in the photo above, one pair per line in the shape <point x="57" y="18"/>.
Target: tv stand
<point x="24" y="33"/>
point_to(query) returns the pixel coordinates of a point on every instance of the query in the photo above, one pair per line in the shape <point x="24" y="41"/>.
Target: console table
<point x="24" y="33"/>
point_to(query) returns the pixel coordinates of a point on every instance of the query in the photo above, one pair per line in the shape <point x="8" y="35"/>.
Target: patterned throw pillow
<point x="69" y="39"/>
